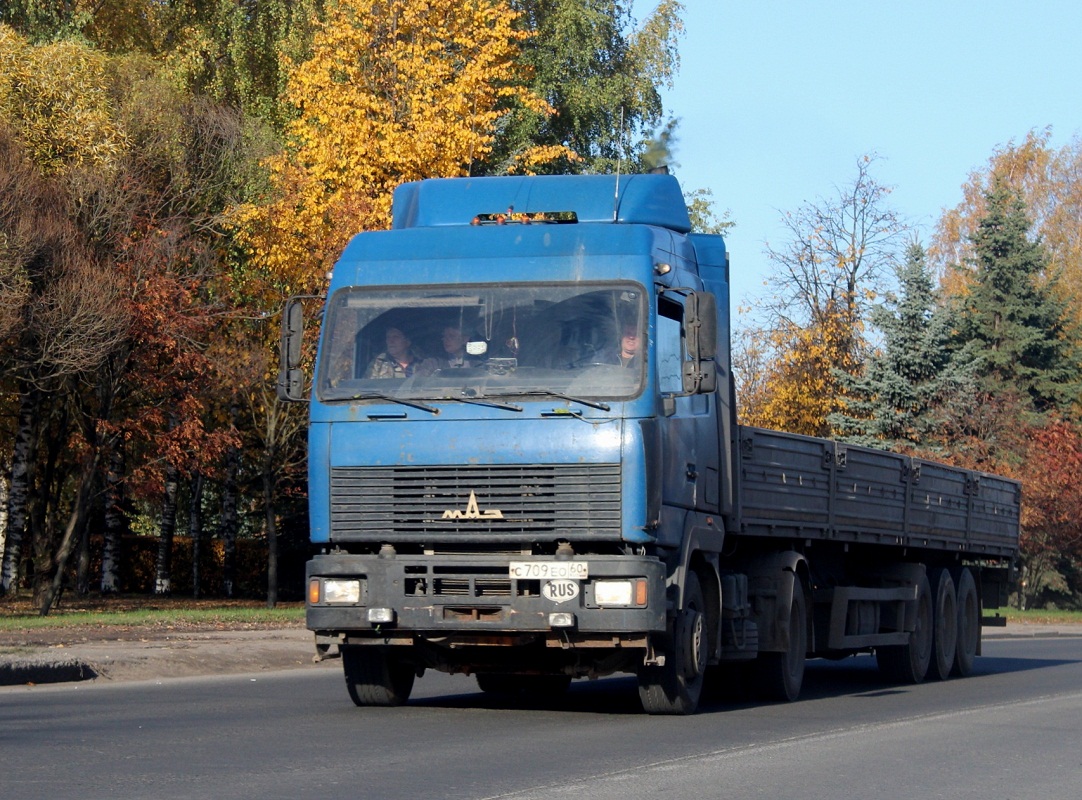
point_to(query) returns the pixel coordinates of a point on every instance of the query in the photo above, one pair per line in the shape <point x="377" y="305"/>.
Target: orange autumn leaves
<point x="394" y="91"/>
<point x="800" y="388"/>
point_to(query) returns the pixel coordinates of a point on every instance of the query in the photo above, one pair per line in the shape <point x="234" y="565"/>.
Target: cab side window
<point x="670" y="346"/>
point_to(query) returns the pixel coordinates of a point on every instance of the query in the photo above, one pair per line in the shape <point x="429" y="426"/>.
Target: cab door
<point x="687" y="422"/>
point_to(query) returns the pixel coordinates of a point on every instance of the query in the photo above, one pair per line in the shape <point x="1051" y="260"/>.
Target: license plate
<point x="548" y="570"/>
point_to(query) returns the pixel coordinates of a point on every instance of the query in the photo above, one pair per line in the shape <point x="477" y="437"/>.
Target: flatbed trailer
<point x="804" y="488"/>
<point x="867" y="523"/>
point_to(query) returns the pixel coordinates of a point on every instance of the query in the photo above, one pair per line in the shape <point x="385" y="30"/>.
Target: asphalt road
<point x="1010" y="731"/>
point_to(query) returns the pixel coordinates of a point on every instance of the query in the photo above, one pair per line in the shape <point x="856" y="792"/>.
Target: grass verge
<point x="1037" y="616"/>
<point x="20" y="615"/>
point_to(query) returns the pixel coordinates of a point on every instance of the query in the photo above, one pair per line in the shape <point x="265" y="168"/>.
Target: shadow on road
<point x="616" y="695"/>
<point x="856" y="676"/>
<point x="860" y="675"/>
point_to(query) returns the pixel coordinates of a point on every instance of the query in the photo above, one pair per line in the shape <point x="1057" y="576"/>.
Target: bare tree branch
<point x="837" y="253"/>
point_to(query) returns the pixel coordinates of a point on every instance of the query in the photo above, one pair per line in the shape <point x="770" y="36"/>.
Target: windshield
<point x="581" y="340"/>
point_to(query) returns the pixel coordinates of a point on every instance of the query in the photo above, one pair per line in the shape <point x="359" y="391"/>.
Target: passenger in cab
<point x="399" y="360"/>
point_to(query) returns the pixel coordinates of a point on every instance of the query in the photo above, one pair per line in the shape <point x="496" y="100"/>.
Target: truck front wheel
<point x="375" y="676"/>
<point x="675" y="687"/>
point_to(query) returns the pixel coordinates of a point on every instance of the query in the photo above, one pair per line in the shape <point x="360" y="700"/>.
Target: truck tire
<point x="908" y="663"/>
<point x="376" y="677"/>
<point x="969" y="624"/>
<point x="537" y="685"/>
<point x="780" y="675"/>
<point x="675" y="687"/>
<point x="945" y="626"/>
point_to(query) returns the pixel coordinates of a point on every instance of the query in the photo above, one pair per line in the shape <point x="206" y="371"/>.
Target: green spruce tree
<point x="895" y="401"/>
<point x="1013" y="316"/>
<point x="601" y="73"/>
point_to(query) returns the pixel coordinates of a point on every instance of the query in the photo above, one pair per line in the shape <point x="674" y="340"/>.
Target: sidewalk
<point x="160" y="656"/>
<point x="177" y="655"/>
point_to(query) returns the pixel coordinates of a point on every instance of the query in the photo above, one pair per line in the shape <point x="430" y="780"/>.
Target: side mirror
<point x="701" y="331"/>
<point x="700" y="377"/>
<point x="291" y="385"/>
<point x="701" y="325"/>
<point x="290" y="375"/>
<point x="292" y="333"/>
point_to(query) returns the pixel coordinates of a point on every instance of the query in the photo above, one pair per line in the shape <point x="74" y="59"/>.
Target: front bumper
<point x="431" y="596"/>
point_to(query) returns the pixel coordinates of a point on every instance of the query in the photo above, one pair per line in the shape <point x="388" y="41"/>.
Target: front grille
<point x="521" y="502"/>
<point x="450" y="587"/>
<point x="483" y="583"/>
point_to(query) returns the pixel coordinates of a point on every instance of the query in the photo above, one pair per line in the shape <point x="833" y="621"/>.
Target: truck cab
<point x="524" y="505"/>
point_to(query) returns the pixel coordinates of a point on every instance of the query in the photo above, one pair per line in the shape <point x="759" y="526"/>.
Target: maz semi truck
<point x="525" y="465"/>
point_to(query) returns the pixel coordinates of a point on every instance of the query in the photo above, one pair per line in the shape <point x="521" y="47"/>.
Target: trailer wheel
<point x="376" y="677"/>
<point x="945" y="627"/>
<point x="908" y="663"/>
<point x="969" y="624"/>
<point x="675" y="687"/>
<point x="782" y="674"/>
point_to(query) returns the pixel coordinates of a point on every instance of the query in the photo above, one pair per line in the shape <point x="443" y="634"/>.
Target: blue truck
<point x="525" y="465"/>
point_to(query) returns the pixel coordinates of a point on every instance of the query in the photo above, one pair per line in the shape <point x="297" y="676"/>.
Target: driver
<point x="454" y="346"/>
<point x="399" y="360"/>
<point x="626" y="354"/>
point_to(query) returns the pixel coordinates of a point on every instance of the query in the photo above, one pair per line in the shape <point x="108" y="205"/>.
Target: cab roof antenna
<point x="619" y="160"/>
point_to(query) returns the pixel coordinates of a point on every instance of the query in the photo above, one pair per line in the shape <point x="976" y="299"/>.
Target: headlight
<point x="613" y="593"/>
<point x="631" y="592"/>
<point x="341" y="591"/>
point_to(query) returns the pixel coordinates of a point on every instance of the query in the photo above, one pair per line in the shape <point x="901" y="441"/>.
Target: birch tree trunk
<point x="22" y="460"/>
<point x="114" y="519"/>
<point x="163" y="565"/>
<point x="5" y="472"/>
<point x="195" y="531"/>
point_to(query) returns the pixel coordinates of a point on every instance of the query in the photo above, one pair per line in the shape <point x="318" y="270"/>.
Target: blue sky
<point x="778" y="98"/>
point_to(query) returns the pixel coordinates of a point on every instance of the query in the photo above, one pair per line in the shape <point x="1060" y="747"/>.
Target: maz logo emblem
<point x="472" y="511"/>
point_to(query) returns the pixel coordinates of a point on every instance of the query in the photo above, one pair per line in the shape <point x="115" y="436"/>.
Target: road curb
<point x="1036" y="633"/>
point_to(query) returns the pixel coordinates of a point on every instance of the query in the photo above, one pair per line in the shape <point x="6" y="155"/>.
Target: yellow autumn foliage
<point x="56" y="98"/>
<point x="800" y="388"/>
<point x="395" y="90"/>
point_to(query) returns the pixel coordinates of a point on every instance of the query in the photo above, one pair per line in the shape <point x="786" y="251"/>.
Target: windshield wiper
<point x="561" y="396"/>
<point x="390" y="399"/>
<point x="481" y="400"/>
